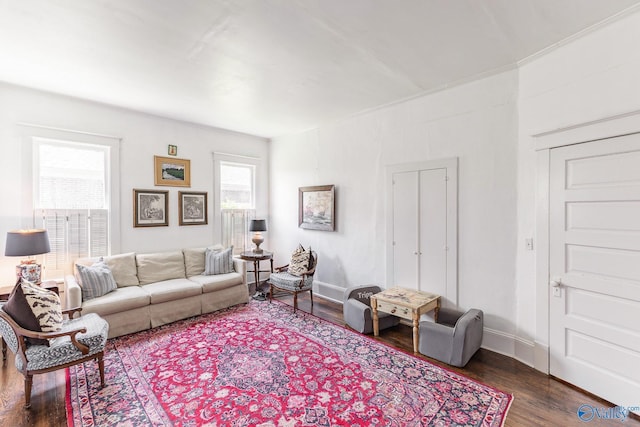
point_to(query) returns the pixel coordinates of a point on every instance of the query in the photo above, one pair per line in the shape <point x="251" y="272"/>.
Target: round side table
<point x="256" y="257"/>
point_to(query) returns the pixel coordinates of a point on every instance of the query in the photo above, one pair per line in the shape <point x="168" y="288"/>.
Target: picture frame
<point x="150" y="208"/>
<point x="172" y="171"/>
<point x="317" y="208"/>
<point x="192" y="208"/>
<point x="172" y="150"/>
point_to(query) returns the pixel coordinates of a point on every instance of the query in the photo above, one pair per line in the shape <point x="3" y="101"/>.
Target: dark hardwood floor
<point x="539" y="400"/>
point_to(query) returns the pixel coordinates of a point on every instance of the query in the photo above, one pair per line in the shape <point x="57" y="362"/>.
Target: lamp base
<point x="257" y="240"/>
<point x="29" y="272"/>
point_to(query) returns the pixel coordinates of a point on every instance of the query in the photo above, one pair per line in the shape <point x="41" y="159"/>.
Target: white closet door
<point x="405" y="235"/>
<point x="595" y="267"/>
<point x="433" y="231"/>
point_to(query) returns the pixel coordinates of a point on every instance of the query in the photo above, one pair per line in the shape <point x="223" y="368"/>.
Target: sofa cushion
<point x="121" y="299"/>
<point x="170" y="290"/>
<point x="123" y="268"/>
<point x="194" y="259"/>
<point x="218" y="281"/>
<point x="97" y="280"/>
<point x="157" y="267"/>
<point x="218" y="262"/>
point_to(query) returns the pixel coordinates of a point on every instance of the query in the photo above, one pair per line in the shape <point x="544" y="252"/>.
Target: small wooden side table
<point x="408" y="304"/>
<point x="51" y="285"/>
<point x="256" y="257"/>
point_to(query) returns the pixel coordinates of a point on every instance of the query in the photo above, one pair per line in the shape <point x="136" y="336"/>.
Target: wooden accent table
<point x="51" y="285"/>
<point x="256" y="258"/>
<point x="405" y="303"/>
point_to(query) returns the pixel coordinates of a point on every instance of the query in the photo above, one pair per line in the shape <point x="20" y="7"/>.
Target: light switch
<point x="529" y="243"/>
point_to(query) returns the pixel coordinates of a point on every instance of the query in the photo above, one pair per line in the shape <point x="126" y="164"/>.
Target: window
<point x="237" y="198"/>
<point x="71" y="201"/>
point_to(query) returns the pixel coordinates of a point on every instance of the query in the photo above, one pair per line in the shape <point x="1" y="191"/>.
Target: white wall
<point x="143" y="136"/>
<point x="591" y="78"/>
<point x="476" y="122"/>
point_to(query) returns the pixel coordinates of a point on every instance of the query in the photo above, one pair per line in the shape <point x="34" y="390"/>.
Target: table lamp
<point x="258" y="226"/>
<point x="27" y="243"/>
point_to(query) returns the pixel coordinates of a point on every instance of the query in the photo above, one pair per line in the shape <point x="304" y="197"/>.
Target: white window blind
<point x="71" y="201"/>
<point x="235" y="228"/>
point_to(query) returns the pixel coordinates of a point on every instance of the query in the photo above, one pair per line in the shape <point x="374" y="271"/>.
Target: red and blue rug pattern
<point x="260" y="364"/>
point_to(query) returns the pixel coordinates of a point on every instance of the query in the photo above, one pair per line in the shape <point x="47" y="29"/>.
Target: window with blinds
<point x="237" y="197"/>
<point x="71" y="201"/>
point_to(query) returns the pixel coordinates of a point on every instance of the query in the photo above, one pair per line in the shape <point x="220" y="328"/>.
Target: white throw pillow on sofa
<point x="218" y="262"/>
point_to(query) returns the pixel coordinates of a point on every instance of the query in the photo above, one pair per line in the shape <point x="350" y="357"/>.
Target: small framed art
<point x="172" y="150"/>
<point x="316" y="207"/>
<point x="150" y="208"/>
<point x="172" y="171"/>
<point x="192" y="207"/>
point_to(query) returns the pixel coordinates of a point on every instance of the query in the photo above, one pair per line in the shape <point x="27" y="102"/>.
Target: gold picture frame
<point x="172" y="171"/>
<point x="317" y="208"/>
<point x="192" y="208"/>
<point x="150" y="208"/>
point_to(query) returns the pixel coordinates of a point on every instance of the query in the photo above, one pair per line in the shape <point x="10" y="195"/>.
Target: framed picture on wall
<point x="150" y="208"/>
<point x="172" y="171"/>
<point x="192" y="207"/>
<point x="317" y="208"/>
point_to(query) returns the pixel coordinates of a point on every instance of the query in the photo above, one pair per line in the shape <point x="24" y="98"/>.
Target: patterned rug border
<point x="303" y="314"/>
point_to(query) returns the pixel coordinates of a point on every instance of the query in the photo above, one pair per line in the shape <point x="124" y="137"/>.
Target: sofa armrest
<point x="74" y="292"/>
<point x="240" y="266"/>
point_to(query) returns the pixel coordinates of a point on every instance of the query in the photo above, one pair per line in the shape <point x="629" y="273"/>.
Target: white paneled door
<point x="595" y="267"/>
<point x="420" y="230"/>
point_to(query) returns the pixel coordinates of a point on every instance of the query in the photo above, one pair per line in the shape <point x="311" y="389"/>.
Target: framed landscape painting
<point x="192" y="208"/>
<point x="150" y="208"/>
<point x="316" y="207"/>
<point x="172" y="171"/>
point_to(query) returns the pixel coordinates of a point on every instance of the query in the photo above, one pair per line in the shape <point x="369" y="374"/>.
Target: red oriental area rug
<point x="260" y="364"/>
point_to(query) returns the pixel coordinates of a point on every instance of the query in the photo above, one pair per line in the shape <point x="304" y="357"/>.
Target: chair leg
<point x="4" y="351"/>
<point x="311" y="293"/>
<point x="295" y="301"/>
<point x="270" y="292"/>
<point x="28" y="382"/>
<point x="101" y="368"/>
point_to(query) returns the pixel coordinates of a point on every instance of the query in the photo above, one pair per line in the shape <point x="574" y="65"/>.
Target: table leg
<point x="256" y="272"/>
<point x="374" y="307"/>
<point x="415" y="331"/>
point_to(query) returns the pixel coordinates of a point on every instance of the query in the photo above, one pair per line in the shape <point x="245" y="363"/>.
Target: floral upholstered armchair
<point x="78" y="340"/>
<point x="297" y="276"/>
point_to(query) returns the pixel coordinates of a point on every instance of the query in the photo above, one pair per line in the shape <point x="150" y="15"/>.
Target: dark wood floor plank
<point x="539" y="399"/>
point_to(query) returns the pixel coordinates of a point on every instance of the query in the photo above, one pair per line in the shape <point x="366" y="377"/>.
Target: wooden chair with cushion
<point x="295" y="280"/>
<point x="78" y="341"/>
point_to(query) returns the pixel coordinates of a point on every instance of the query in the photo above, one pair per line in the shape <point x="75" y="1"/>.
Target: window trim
<point x="219" y="158"/>
<point x="31" y="132"/>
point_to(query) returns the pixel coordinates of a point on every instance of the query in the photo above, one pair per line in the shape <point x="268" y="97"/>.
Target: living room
<point x="497" y="125"/>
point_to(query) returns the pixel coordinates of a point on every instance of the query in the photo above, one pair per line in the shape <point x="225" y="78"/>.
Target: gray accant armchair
<point x="454" y="338"/>
<point x="357" y="309"/>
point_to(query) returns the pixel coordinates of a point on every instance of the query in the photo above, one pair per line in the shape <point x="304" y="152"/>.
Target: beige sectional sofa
<point x="159" y="288"/>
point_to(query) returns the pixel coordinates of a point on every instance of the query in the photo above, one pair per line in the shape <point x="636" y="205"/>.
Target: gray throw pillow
<point x="96" y="280"/>
<point x="218" y="262"/>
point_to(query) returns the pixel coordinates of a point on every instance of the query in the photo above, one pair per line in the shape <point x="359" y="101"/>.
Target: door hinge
<point x="446" y="178"/>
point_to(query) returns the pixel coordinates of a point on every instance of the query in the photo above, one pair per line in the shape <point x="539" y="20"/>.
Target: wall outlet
<point x="529" y="243"/>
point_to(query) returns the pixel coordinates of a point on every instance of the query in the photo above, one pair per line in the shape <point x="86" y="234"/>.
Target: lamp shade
<point x="258" y="225"/>
<point x="27" y="243"/>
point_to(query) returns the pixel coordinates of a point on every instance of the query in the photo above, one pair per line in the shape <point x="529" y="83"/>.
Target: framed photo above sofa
<point x="172" y="171"/>
<point x="317" y="208"/>
<point x="150" y="208"/>
<point x="192" y="208"/>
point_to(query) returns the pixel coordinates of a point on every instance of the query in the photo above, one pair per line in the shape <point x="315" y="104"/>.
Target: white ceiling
<point x="272" y="67"/>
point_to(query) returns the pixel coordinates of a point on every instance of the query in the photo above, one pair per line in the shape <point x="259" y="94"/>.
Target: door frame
<point x="544" y="142"/>
<point x="451" y="166"/>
